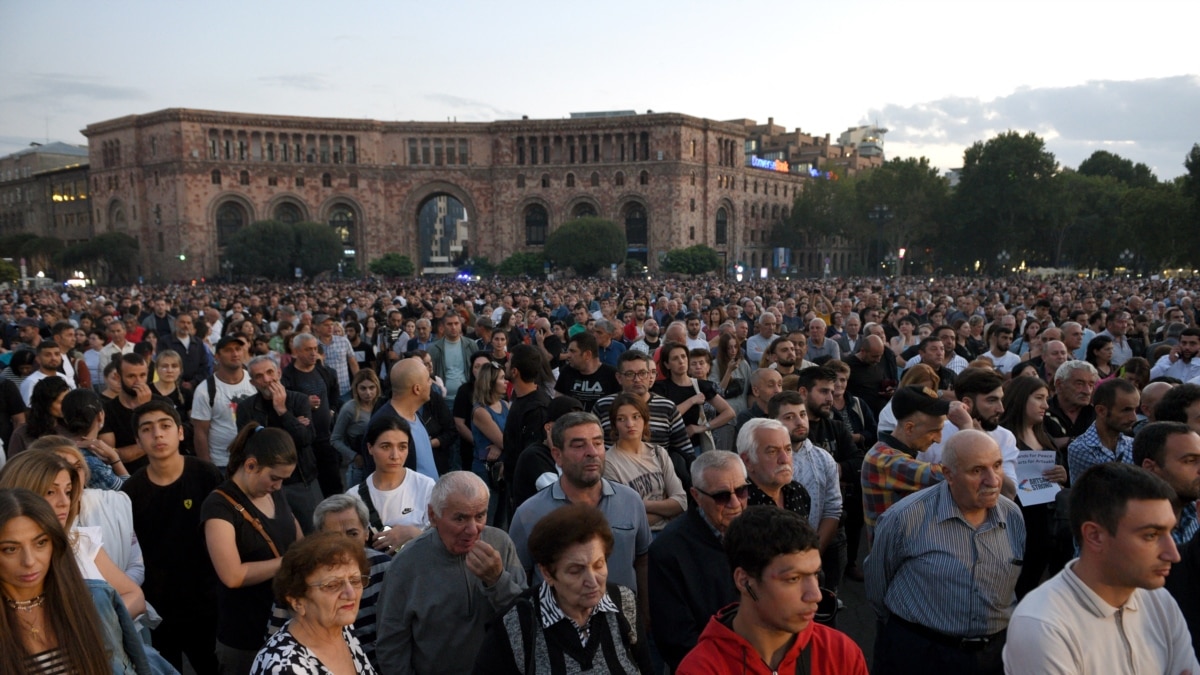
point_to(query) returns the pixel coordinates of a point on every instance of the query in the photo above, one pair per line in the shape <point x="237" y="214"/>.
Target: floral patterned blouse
<point x="284" y="655"/>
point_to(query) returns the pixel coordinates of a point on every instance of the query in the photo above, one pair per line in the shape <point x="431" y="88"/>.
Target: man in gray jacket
<point x="446" y="584"/>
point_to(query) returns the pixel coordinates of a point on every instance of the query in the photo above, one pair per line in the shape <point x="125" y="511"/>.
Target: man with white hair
<point x="766" y="447"/>
<point x="445" y="585"/>
<point x="959" y="542"/>
<point x="818" y="345"/>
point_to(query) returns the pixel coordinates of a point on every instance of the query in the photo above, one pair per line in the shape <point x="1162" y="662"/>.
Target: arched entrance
<point x="637" y="233"/>
<point x="231" y="217"/>
<point x="443" y="228"/>
<point x="344" y="221"/>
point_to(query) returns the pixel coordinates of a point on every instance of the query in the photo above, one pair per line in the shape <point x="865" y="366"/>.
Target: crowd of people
<point x="590" y="475"/>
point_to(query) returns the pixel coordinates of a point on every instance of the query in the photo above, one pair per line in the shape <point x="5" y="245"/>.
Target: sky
<point x="1085" y="76"/>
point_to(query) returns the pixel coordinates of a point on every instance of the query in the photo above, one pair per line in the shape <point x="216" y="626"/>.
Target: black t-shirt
<point x="313" y="383"/>
<point x="555" y="346"/>
<point x="678" y="394"/>
<point x="179" y="573"/>
<point x="533" y="461"/>
<point x="10" y="404"/>
<point x="118" y="420"/>
<point x="364" y="354"/>
<point x="242" y="613"/>
<point x="587" y="388"/>
<point x="525" y="426"/>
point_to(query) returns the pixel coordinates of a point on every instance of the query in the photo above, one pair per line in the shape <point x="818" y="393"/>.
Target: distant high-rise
<point x="867" y="139"/>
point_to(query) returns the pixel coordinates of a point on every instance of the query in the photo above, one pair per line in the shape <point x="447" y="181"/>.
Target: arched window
<point x="570" y="180"/>
<point x="288" y="212"/>
<point x="520" y="180"/>
<point x="754" y="211"/>
<point x="326" y="180"/>
<point x="231" y="217"/>
<point x="341" y="219"/>
<point x="722" y="227"/>
<point x="595" y="179"/>
<point x="216" y="177"/>
<point x="545" y="180"/>
<point x="244" y="178"/>
<point x="619" y="179"/>
<point x="583" y="210"/>
<point x="644" y="178"/>
<point x="536" y="224"/>
<point x="353" y="180"/>
<point x="636" y="225"/>
<point x="775" y="212"/>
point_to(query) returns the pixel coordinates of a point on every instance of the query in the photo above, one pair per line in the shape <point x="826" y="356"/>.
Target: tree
<point x="698" y="259"/>
<point x="1156" y="218"/>
<point x="111" y="257"/>
<point x="317" y="248"/>
<point x="1085" y="226"/>
<point x="915" y="197"/>
<point x="1003" y="198"/>
<point x="587" y="245"/>
<point x="263" y="248"/>
<point x="522" y="263"/>
<point x="8" y="272"/>
<point x="1191" y="184"/>
<point x="1105" y="163"/>
<point x="392" y="265"/>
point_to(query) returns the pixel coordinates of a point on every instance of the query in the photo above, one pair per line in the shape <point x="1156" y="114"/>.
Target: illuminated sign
<point x="769" y="164"/>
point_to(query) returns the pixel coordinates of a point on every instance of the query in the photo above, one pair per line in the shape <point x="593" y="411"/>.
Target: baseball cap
<point x="561" y="405"/>
<point x="321" y="318"/>
<point x="909" y="400"/>
<point x="228" y="340"/>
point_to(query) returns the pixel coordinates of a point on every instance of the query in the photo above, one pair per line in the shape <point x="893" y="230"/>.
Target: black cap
<point x="230" y="339"/>
<point x="561" y="405"/>
<point x="909" y="400"/>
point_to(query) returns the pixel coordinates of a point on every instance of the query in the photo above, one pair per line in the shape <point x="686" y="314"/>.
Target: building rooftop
<point x="55" y="148"/>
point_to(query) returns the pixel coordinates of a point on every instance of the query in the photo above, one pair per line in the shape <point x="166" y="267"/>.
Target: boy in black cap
<point x="891" y="470"/>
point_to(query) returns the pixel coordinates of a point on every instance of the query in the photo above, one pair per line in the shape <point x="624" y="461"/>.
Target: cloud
<point x="303" y="81"/>
<point x="471" y="110"/>
<point x="1149" y="120"/>
<point x="43" y="87"/>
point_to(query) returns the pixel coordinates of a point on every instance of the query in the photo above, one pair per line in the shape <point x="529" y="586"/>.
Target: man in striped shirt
<point x="942" y="575"/>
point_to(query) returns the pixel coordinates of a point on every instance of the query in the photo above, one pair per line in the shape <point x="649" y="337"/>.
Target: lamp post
<point x="1002" y="258"/>
<point x="880" y="215"/>
<point x="227" y="265"/>
<point x="1126" y="257"/>
<point x="890" y="260"/>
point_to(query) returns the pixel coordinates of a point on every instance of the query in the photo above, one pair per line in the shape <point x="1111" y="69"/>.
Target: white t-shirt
<point x="222" y="415"/>
<point x="408" y="504"/>
<point x="1003" y="437"/>
<point x="1004" y="363"/>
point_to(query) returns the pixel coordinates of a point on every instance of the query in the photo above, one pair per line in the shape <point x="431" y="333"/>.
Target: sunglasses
<point x="722" y="498"/>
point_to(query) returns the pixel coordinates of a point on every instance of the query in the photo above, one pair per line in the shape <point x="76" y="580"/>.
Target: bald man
<point x="411" y="387"/>
<point x="1151" y="395"/>
<point x="870" y="379"/>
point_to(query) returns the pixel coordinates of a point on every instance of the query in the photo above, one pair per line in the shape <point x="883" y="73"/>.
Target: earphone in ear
<point x="750" y="591"/>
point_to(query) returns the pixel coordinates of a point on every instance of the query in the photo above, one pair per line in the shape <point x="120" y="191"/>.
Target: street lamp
<point x="880" y="215"/>
<point x="227" y="265"/>
<point x="1002" y="258"/>
<point x="889" y="260"/>
<point x="1126" y="257"/>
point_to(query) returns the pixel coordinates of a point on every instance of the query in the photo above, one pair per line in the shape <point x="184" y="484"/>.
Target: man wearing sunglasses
<point x="689" y="574"/>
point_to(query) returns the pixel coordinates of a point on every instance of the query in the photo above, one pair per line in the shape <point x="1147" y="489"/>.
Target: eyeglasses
<point x="722" y="498"/>
<point x="336" y="585"/>
<point x="637" y="374"/>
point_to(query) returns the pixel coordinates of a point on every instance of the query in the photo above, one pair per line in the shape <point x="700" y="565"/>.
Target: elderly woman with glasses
<point x="321" y="579"/>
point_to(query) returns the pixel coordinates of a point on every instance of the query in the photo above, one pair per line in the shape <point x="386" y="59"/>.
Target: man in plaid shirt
<point x="891" y="470"/>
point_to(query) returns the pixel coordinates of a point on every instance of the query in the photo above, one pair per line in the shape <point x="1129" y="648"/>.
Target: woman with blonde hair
<point x="351" y="424"/>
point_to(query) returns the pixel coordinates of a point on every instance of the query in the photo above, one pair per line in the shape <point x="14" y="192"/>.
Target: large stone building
<point x="182" y="181"/>
<point x="44" y="192"/>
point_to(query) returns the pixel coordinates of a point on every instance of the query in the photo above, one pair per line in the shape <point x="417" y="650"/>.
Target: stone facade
<point x="181" y="180"/>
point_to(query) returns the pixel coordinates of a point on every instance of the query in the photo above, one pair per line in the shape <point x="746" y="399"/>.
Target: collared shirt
<point x="1122" y="351"/>
<point x="1186" y="371"/>
<point x="1186" y="528"/>
<point x="1063" y="626"/>
<point x="552" y="613"/>
<point x="1060" y="425"/>
<point x="816" y="470"/>
<point x="890" y="473"/>
<point x="929" y="566"/>
<point x="795" y="498"/>
<point x="336" y="352"/>
<point x="1087" y="451"/>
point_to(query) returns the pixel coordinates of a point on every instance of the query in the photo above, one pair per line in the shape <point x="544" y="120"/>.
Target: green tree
<point x="1190" y="184"/>
<point x="392" y="265"/>
<point x="111" y="257"/>
<point x="698" y="259"/>
<point x="587" y="245"/>
<point x="481" y="267"/>
<point x="1105" y="163"/>
<point x="316" y="248"/>
<point x="1085" y="226"/>
<point x="1156" y="219"/>
<point x="8" y="272"/>
<point x="522" y="263"/>
<point x="263" y="248"/>
<point x="1003" y="199"/>
<point x="915" y="197"/>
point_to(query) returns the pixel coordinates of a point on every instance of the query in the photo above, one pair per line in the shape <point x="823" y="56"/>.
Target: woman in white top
<point x="640" y="465"/>
<point x="45" y="473"/>
<point x="397" y="499"/>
